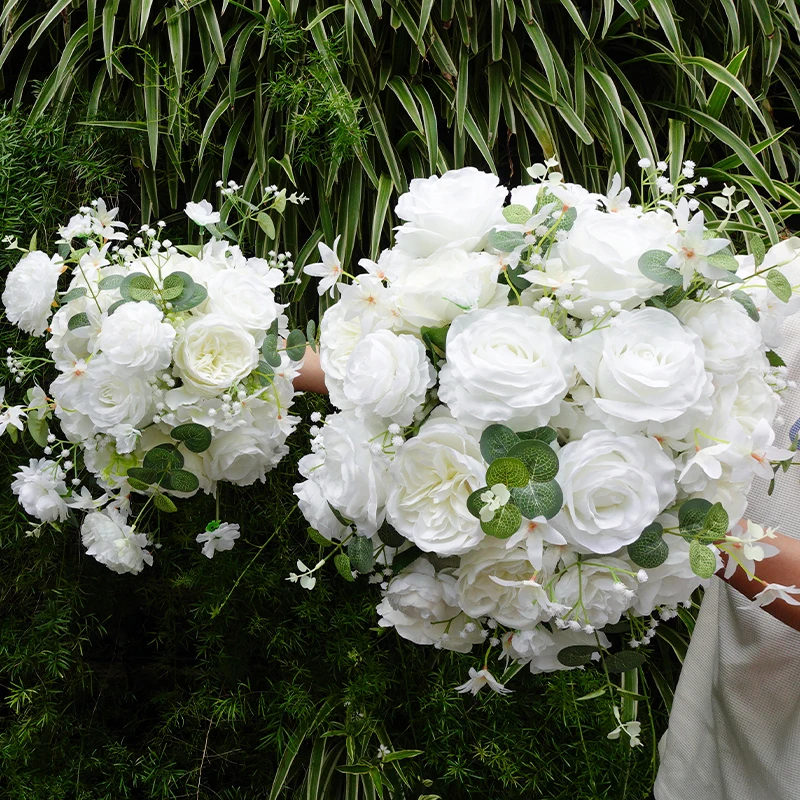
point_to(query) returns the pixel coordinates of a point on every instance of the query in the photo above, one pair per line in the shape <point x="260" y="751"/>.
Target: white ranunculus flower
<point x="610" y="245"/>
<point x="421" y="605"/>
<point x="456" y="210"/>
<point x="436" y="290"/>
<point x="544" y="650"/>
<point x="645" y="372"/>
<point x="506" y="365"/>
<point x="314" y="507"/>
<point x="732" y="341"/>
<point x="351" y="474"/>
<point x="243" y="295"/>
<point x="213" y="353"/>
<point x="202" y="213"/>
<point x="497" y="581"/>
<point x="114" y="543"/>
<point x="40" y="488"/>
<point x="388" y="376"/>
<point x="137" y="337"/>
<point x="601" y="590"/>
<point x="114" y="396"/>
<point x="30" y="291"/>
<point x="432" y="476"/>
<point x="340" y="332"/>
<point x="614" y="487"/>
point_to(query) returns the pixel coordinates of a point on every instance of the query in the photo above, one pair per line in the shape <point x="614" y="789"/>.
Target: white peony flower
<point x="217" y="538"/>
<point x="506" y="365"/>
<point x="314" y="507"/>
<point x="432" y="476"/>
<point x="614" y="487"/>
<point x="213" y="353"/>
<point x="202" y="213"/>
<point x="432" y="292"/>
<point x="137" y="337"/>
<point x="388" y="376"/>
<point x="113" y="543"/>
<point x="644" y="373"/>
<point x="731" y="340"/>
<point x="112" y="396"/>
<point x="350" y="474"/>
<point x="454" y="211"/>
<point x="604" y="249"/>
<point x="30" y="290"/>
<point x="40" y="488"/>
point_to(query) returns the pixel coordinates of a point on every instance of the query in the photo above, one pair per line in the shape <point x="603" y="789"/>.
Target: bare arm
<point x="311" y="377"/>
<point x="783" y="568"/>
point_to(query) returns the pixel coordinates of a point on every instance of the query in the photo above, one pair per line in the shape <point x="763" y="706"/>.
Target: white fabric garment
<point x="734" y="731"/>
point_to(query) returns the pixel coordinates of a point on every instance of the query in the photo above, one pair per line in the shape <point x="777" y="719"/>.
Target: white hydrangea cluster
<point x="550" y="411"/>
<point x="172" y="372"/>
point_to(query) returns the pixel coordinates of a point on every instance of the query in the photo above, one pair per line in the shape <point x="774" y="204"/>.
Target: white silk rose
<point x="213" y="353"/>
<point x="40" y="488"/>
<point x="350" y="474"/>
<point x="456" y="210"/>
<point x="539" y="648"/>
<point x="137" y="337"/>
<point x="114" y="544"/>
<point x="506" y="365"/>
<point x="644" y="373"/>
<point x="30" y="290"/>
<point x="431" y="479"/>
<point x="614" y="487"/>
<point x="111" y="395"/>
<point x="388" y="376"/>
<point x="731" y="340"/>
<point x="432" y="292"/>
<point x="314" y="507"/>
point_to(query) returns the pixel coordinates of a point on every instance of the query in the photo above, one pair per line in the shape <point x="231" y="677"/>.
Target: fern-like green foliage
<point x="351" y="100"/>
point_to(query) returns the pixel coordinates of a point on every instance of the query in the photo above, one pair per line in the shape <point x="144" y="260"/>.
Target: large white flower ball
<point x="614" y="487"/>
<point x="30" y="291"/>
<point x="456" y="210"/>
<point x="388" y="376"/>
<point x="431" y="478"/>
<point x="137" y="337"/>
<point x="506" y="365"/>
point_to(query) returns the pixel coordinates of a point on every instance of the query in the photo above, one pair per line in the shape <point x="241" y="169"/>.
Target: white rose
<point x="351" y="474"/>
<point x="114" y="396"/>
<point x="114" y="544"/>
<point x="40" y="488"/>
<point x="388" y="376"/>
<point x="432" y="292"/>
<point x="30" y="290"/>
<point x="432" y="476"/>
<point x="136" y="336"/>
<point x="497" y="581"/>
<point x="244" y="296"/>
<point x="601" y="591"/>
<point x="456" y="210"/>
<point x="213" y="353"/>
<point x="732" y="340"/>
<point x="314" y="507"/>
<point x="644" y="373"/>
<point x="421" y="605"/>
<point x="610" y="246"/>
<point x="614" y="487"/>
<point x="506" y="365"/>
<point x="544" y="650"/>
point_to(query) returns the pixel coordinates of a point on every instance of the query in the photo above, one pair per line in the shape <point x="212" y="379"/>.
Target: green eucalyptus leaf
<point x="779" y="285"/>
<point x="163" y="503"/>
<point x="774" y="359"/>
<point x="543" y="434"/>
<point x="624" y="661"/>
<point x="723" y="260"/>
<point x="506" y="241"/>
<point x="538" y="458"/>
<point x="435" y="339"/>
<point x="311" y="335"/>
<point x="474" y="502"/>
<point x="701" y="560"/>
<point x="318" y="538"/>
<point x="716" y="522"/>
<point x="269" y="349"/>
<point x="145" y="476"/>
<point x="181" y="480"/>
<point x="72" y="294"/>
<point x="110" y="282"/>
<point x="747" y="303"/>
<point x="405" y="558"/>
<point x="649" y="550"/>
<point x="653" y="265"/>
<point x="266" y="224"/>
<point x="343" y="567"/>
<point x="36" y="427"/>
<point x="389" y="536"/>
<point x="296" y="345"/>
<point x="692" y="515"/>
<point x="196" y="437"/>
<point x="496" y="441"/>
<point x="359" y="551"/>
<point x="163" y="458"/>
<point x="78" y="321"/>
<point x="140" y="287"/>
<point x="172" y="286"/>
<point x="517" y="214"/>
<point x="576" y="655"/>
<point x="538" y="499"/>
<point x="505" y="523"/>
<point x="191" y="297"/>
<point x="114" y="306"/>
<point x="508" y="471"/>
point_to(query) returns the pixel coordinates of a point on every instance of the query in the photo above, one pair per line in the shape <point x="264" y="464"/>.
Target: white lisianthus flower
<point x="113" y="543"/>
<point x="245" y="296"/>
<point x="731" y="340"/>
<point x="644" y="373"/>
<point x="600" y="591"/>
<point x="421" y="605"/>
<point x="454" y="211"/>
<point x="351" y="475"/>
<point x="213" y="353"/>
<point x="202" y="213"/>
<point x="217" y="538"/>
<point x="604" y="249"/>
<point x="432" y="292"/>
<point x="112" y="395"/>
<point x="388" y="376"/>
<point x="137" y="337"/>
<point x="40" y="488"/>
<point x="30" y="291"/>
<point x="432" y="476"/>
<point x="506" y="365"/>
<point x="614" y="487"/>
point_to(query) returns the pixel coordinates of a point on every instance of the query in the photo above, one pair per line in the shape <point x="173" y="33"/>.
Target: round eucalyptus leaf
<point x="701" y="560"/>
<point x="624" y="661"/>
<point x="538" y="458"/>
<point x="538" y="499"/>
<point x="505" y="523"/>
<point x="692" y="515"/>
<point x="508" y="471"/>
<point x="576" y="655"/>
<point x="196" y="437"/>
<point x="342" y="564"/>
<point x="649" y="550"/>
<point x="359" y="551"/>
<point x="496" y="441"/>
<point x="163" y="458"/>
<point x="474" y="502"/>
